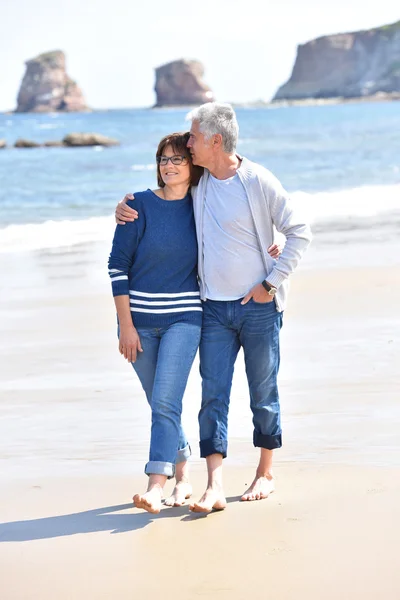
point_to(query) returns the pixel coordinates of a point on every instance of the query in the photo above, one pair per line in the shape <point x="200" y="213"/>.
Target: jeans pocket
<point x="262" y="303"/>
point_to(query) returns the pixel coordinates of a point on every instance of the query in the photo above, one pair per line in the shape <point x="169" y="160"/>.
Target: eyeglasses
<point x="175" y="160"/>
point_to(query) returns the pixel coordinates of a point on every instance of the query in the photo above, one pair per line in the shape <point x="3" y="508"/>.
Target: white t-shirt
<point x="232" y="256"/>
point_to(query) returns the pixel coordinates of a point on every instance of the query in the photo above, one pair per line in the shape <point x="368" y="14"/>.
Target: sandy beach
<point x="74" y="429"/>
<point x="328" y="532"/>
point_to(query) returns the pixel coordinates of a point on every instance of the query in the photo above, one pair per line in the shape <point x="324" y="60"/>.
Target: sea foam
<point x="321" y="208"/>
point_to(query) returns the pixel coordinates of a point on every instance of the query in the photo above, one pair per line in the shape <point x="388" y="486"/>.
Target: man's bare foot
<point x="261" y="488"/>
<point x="212" y="499"/>
<point x="150" y="501"/>
<point x="181" y="492"/>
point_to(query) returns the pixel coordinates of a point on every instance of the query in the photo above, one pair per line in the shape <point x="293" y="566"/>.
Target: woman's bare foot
<point x="181" y="492"/>
<point x="212" y="499"/>
<point x="151" y="500"/>
<point x="261" y="488"/>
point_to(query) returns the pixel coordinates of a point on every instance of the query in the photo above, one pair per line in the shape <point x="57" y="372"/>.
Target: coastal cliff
<point x="346" y="65"/>
<point x="46" y="86"/>
<point x="181" y="83"/>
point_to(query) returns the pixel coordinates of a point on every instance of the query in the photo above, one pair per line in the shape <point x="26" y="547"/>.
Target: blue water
<point x="312" y="149"/>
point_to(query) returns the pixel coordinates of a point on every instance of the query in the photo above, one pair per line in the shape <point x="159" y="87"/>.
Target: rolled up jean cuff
<point x="183" y="454"/>
<point x="213" y="446"/>
<point x="269" y="442"/>
<point x="157" y="467"/>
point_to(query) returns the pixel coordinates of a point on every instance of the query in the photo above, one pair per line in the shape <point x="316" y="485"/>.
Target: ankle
<point x="155" y="486"/>
<point x="263" y="473"/>
<point x="182" y="479"/>
<point x="214" y="486"/>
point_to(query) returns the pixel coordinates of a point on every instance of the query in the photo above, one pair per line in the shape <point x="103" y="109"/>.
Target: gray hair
<point x="215" y="117"/>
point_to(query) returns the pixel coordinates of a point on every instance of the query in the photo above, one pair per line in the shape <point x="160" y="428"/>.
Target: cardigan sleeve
<point x="125" y="243"/>
<point x="288" y="220"/>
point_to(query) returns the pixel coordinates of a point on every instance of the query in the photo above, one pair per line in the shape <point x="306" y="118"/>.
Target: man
<point x="237" y="204"/>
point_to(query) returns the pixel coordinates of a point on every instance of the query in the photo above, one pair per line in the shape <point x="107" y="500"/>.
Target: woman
<point x="153" y="270"/>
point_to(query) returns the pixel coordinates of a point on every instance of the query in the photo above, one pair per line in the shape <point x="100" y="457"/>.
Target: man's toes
<point x="248" y="497"/>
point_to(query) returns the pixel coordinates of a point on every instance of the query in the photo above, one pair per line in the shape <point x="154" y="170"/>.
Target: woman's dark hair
<point x="178" y="142"/>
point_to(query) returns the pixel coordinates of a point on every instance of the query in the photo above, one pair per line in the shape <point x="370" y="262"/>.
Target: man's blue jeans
<point x="163" y="369"/>
<point x="227" y="326"/>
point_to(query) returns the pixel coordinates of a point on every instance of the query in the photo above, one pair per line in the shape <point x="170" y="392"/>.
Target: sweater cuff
<point x="275" y="278"/>
<point x="121" y="287"/>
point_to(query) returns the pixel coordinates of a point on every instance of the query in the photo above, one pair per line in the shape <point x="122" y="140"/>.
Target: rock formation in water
<point x="88" y="139"/>
<point x="181" y="83"/>
<point x="347" y="65"/>
<point x="46" y="87"/>
<point x="23" y="143"/>
<point x="72" y="140"/>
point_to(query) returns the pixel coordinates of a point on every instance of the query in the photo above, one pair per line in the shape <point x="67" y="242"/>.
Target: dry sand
<point x="72" y="449"/>
<point x="327" y="533"/>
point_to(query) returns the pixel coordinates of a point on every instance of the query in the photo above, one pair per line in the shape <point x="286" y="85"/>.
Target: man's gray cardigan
<point x="270" y="206"/>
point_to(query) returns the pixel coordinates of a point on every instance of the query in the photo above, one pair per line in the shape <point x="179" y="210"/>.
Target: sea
<point x="341" y="162"/>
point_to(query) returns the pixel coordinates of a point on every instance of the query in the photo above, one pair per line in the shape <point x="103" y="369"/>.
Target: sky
<point x="247" y="47"/>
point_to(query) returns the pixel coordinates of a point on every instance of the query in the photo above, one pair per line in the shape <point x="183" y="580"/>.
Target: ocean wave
<point x="321" y="208"/>
<point x="149" y="167"/>
<point x="365" y="201"/>
<point x="55" y="234"/>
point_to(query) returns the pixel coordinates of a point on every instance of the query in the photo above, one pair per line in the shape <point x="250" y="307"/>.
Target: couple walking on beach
<point x="194" y="264"/>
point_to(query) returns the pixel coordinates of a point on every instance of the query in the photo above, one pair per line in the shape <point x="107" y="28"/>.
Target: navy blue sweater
<point x="154" y="261"/>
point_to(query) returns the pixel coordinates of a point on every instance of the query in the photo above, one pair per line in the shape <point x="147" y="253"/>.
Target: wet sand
<point x="74" y="433"/>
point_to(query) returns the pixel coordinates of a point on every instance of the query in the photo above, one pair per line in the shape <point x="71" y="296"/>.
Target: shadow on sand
<point x="89" y="521"/>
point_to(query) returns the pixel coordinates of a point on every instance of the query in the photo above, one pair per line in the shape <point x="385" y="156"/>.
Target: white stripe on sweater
<point x="180" y="295"/>
<point x="170" y="303"/>
<point x="120" y="278"/>
<point x="162" y="311"/>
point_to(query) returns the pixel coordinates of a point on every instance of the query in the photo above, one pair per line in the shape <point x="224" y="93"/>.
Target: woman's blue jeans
<point x="163" y="369"/>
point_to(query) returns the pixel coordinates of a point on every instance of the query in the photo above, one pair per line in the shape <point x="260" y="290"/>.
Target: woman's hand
<point x="275" y="251"/>
<point x="123" y="212"/>
<point x="129" y="343"/>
